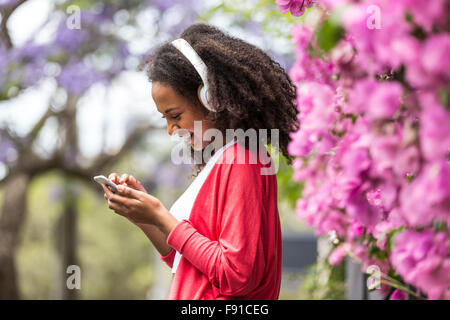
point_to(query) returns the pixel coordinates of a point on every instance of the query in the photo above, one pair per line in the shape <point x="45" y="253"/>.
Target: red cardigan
<point x="231" y="244"/>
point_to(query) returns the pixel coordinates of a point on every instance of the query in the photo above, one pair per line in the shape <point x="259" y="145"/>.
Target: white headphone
<point x="203" y="90"/>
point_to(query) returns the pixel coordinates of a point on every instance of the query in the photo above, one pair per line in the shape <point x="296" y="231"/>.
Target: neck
<point x="217" y="144"/>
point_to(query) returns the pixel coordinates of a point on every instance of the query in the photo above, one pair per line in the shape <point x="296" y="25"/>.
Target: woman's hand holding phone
<point x="134" y="203"/>
<point x="130" y="198"/>
<point x="142" y="209"/>
<point x="128" y="180"/>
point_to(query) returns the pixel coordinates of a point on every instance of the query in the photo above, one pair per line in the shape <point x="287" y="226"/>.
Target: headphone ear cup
<point x="202" y="93"/>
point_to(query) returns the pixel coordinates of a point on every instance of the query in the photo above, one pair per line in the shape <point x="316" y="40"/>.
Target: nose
<point x="171" y="128"/>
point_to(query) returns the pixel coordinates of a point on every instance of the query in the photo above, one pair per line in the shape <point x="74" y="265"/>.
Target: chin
<point x="195" y="145"/>
<point x="198" y="148"/>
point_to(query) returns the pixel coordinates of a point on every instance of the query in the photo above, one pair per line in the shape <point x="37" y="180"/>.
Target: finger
<point x="114" y="177"/>
<point x="112" y="198"/>
<point x="114" y="205"/>
<point x="126" y="202"/>
<point x="124" y="178"/>
<point x="108" y="192"/>
<point x="135" y="184"/>
<point x="117" y="208"/>
<point x="129" y="192"/>
<point x="134" y="181"/>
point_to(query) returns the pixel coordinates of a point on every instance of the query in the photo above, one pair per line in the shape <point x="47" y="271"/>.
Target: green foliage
<point x="323" y="281"/>
<point x="275" y="24"/>
<point x="374" y="250"/>
<point x="444" y="96"/>
<point x="390" y="237"/>
<point x="440" y="226"/>
<point x="290" y="190"/>
<point x="329" y="34"/>
<point x="264" y="12"/>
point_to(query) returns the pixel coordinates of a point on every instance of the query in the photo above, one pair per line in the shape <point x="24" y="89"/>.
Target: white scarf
<point x="181" y="209"/>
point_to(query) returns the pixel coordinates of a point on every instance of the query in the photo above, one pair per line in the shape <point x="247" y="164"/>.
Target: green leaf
<point x="444" y="96"/>
<point x="329" y="34"/>
<point x="390" y="237"/>
<point x="311" y="50"/>
<point x="377" y="252"/>
<point x="440" y="226"/>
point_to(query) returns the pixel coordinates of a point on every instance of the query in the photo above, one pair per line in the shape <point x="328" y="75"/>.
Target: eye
<point x="174" y="117"/>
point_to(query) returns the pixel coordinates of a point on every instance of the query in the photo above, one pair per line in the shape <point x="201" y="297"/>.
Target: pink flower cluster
<point x="296" y="7"/>
<point x="374" y="142"/>
<point x="422" y="259"/>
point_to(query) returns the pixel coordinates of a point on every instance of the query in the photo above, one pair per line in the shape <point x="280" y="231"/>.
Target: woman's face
<point x="179" y="113"/>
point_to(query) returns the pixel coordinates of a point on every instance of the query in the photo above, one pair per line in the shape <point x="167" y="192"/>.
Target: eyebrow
<point x="170" y="109"/>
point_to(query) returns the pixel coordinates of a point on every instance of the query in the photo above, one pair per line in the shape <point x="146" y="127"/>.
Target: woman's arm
<point x="157" y="237"/>
<point x="234" y="263"/>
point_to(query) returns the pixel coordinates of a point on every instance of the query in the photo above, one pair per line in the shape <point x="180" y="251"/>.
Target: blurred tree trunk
<point x="66" y="240"/>
<point x="28" y="165"/>
<point x="12" y="215"/>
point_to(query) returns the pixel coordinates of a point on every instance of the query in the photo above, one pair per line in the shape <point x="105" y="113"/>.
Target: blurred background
<point x="73" y="105"/>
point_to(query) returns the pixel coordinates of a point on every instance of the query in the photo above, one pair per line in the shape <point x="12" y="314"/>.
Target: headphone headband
<point x="186" y="49"/>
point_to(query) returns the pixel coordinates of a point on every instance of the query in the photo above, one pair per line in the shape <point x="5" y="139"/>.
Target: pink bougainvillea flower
<point x="384" y="100"/>
<point x="435" y="129"/>
<point x="374" y="136"/>
<point x="427" y="197"/>
<point x="399" y="295"/>
<point x="421" y="258"/>
<point x="375" y="99"/>
<point x="296" y="7"/>
<point x="355" y="230"/>
<point x="338" y="254"/>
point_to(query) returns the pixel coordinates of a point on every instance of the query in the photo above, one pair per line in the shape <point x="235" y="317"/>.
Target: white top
<point x="181" y="209"/>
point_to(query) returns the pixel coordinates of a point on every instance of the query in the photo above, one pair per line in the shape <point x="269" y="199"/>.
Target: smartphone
<point x="104" y="180"/>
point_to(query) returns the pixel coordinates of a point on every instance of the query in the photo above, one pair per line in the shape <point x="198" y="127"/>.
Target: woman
<point x="222" y="237"/>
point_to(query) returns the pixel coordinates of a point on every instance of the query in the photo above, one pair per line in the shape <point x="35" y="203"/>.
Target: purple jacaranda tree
<point x="68" y="58"/>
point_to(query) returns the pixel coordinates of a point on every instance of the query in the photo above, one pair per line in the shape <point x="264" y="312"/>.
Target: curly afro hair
<point x="248" y="89"/>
